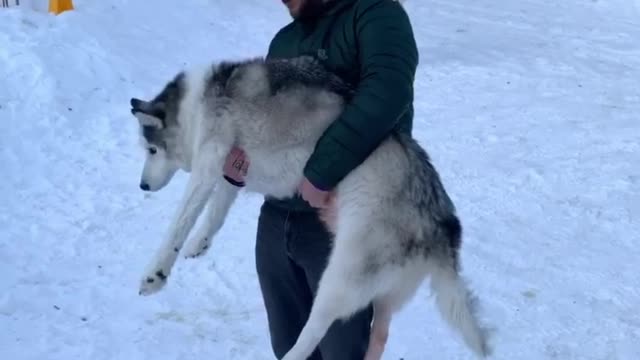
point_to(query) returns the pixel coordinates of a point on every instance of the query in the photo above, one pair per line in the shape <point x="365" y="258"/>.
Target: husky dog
<point x="390" y="231"/>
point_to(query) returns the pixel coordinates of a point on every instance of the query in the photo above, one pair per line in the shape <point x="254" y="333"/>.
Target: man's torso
<point x="331" y="38"/>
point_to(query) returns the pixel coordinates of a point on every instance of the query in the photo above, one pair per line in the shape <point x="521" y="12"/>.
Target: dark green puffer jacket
<point x="369" y="43"/>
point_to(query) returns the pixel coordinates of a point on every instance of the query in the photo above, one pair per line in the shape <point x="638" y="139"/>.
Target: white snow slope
<point x="530" y="110"/>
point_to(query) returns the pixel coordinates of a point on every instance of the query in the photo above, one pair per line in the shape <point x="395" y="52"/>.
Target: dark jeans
<point x="292" y="250"/>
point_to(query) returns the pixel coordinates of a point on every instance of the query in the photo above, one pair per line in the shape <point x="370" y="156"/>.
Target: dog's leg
<point x="207" y="167"/>
<point x="339" y="296"/>
<point x="382" y="313"/>
<point x="217" y="210"/>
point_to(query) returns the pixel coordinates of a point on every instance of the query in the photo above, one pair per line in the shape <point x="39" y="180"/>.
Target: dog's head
<point x="159" y="130"/>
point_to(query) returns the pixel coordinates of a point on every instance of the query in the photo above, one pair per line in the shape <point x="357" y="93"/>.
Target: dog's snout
<point x="144" y="186"/>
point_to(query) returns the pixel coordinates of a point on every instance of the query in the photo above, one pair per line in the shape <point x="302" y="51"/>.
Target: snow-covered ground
<point x="530" y="110"/>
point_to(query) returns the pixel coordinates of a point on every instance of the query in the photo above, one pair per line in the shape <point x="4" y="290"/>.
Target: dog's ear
<point x="147" y="113"/>
<point x="137" y="104"/>
<point x="147" y="120"/>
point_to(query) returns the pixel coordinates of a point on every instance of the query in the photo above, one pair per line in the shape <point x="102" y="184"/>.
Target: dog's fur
<point x="393" y="221"/>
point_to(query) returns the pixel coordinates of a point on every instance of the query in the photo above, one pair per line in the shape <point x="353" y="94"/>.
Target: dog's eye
<point x="152" y="151"/>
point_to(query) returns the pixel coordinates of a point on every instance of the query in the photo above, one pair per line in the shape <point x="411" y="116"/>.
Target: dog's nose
<point x="144" y="186"/>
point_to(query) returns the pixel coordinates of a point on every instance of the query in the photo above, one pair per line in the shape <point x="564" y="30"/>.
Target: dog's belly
<point x="276" y="173"/>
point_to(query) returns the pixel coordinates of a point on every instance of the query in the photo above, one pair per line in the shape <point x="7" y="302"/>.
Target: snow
<point x="529" y="109"/>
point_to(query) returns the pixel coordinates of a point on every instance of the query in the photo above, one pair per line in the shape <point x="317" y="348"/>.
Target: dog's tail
<point x="454" y="300"/>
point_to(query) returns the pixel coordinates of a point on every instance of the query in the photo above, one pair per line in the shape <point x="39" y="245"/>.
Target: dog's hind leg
<point x="339" y="296"/>
<point x="217" y="209"/>
<point x="382" y="314"/>
<point x="206" y="169"/>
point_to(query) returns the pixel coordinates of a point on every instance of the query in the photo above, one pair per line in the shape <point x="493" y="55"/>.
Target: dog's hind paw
<point x="197" y="247"/>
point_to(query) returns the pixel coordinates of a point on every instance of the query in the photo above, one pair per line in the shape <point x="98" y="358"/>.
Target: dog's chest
<point x="276" y="172"/>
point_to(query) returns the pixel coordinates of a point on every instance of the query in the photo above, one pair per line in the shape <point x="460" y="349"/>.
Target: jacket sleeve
<point x="388" y="59"/>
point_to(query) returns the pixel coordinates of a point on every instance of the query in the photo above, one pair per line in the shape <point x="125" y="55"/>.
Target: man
<point x="369" y="43"/>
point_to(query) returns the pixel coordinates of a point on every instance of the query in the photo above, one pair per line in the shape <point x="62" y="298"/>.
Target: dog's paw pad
<point x="197" y="250"/>
<point x="153" y="283"/>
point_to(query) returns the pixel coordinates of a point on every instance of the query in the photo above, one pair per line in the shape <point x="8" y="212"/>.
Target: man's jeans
<point x="292" y="250"/>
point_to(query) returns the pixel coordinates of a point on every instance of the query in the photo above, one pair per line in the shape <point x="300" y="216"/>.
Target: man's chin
<point x="293" y="14"/>
<point x="293" y="11"/>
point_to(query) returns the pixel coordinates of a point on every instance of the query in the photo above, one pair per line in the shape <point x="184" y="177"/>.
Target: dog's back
<point x="284" y="101"/>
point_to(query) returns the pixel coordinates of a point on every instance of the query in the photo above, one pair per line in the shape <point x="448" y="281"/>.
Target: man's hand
<point x="315" y="197"/>
<point x="236" y="166"/>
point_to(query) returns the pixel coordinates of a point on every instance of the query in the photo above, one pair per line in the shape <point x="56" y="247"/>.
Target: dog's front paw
<point x="197" y="247"/>
<point x="157" y="273"/>
<point x="153" y="282"/>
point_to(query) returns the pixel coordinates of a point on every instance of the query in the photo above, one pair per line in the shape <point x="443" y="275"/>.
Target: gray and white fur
<point x="393" y="222"/>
